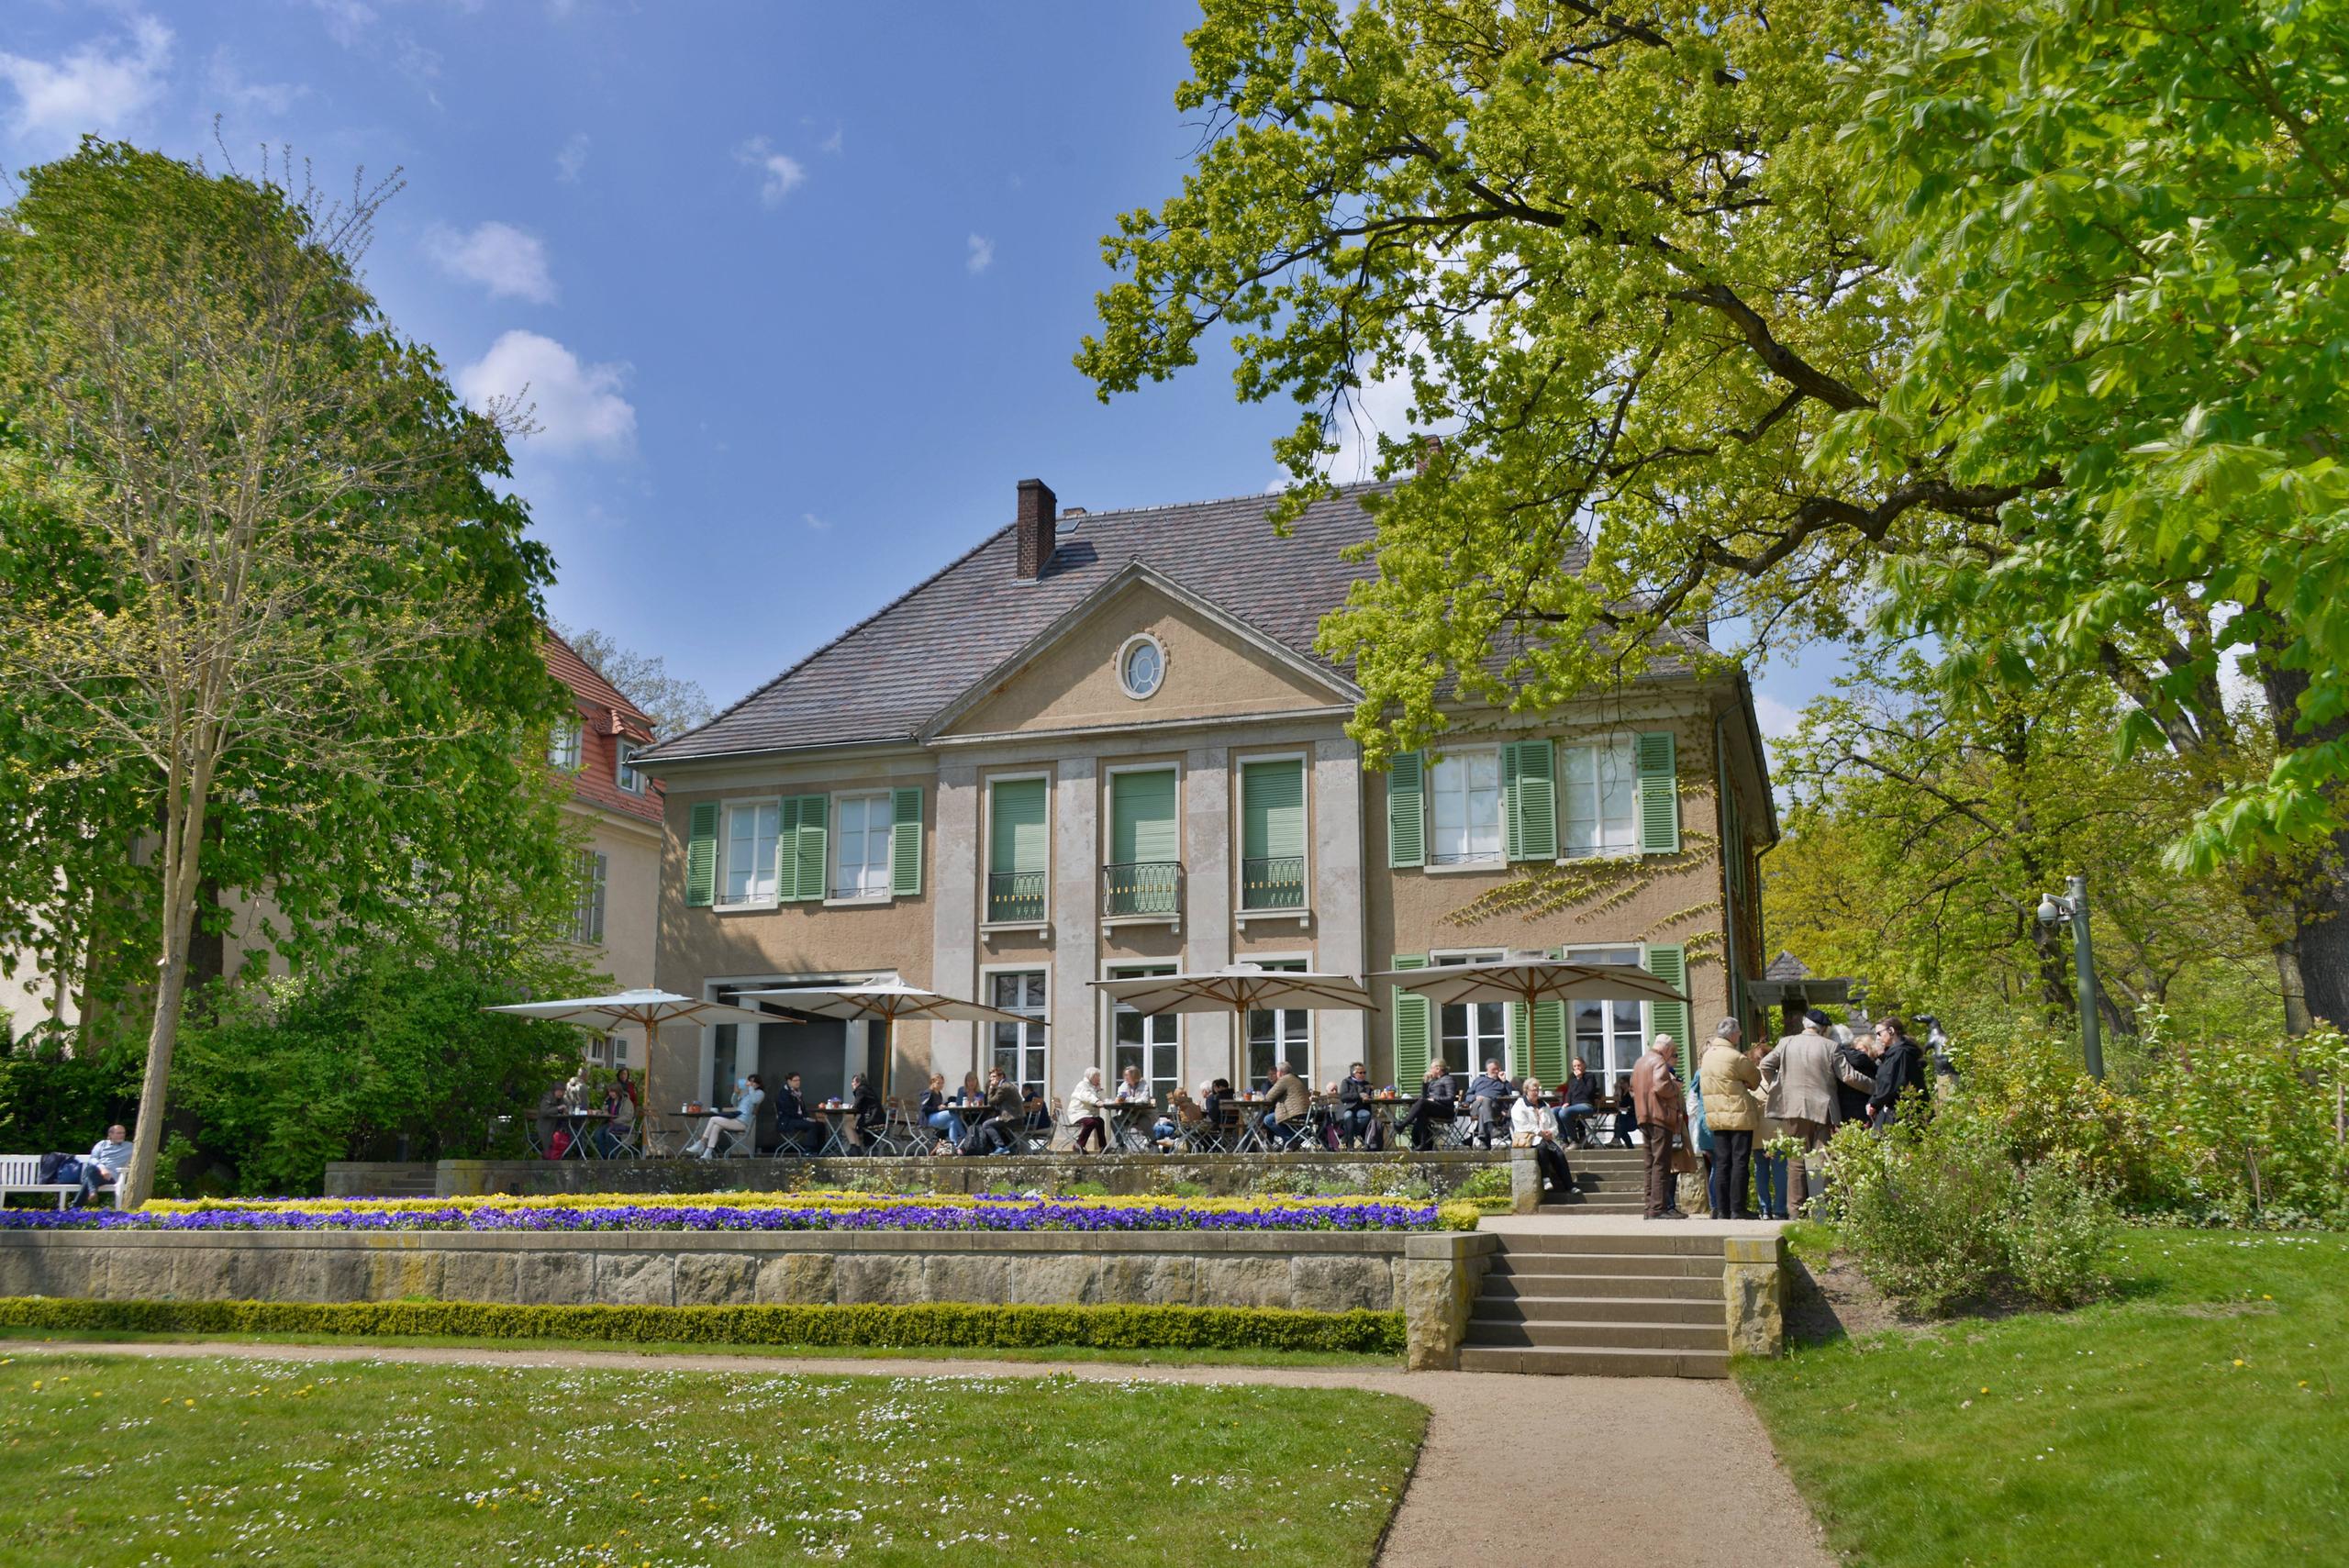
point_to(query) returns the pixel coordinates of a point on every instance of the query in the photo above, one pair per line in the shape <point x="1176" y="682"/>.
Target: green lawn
<point x="2199" y="1419"/>
<point x="116" y="1459"/>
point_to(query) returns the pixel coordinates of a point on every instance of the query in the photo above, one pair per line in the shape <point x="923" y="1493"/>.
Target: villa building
<point x="1105" y="744"/>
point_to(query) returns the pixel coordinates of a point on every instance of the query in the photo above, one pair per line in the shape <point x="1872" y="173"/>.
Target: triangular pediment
<point x="1216" y="667"/>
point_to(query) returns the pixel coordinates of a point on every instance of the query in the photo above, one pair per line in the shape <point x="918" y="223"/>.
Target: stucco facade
<point x="1055" y="719"/>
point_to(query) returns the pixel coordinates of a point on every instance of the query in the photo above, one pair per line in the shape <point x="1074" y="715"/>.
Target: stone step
<point x="1560" y="1361"/>
<point x="1595" y="1202"/>
<point x="1676" y="1287"/>
<point x="1644" y="1262"/>
<point x="1699" y="1310"/>
<point x="1658" y="1240"/>
<point x="1612" y="1336"/>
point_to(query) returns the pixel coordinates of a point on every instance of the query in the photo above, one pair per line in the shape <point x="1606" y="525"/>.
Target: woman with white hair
<point x="1531" y="1126"/>
<point x="1084" y="1112"/>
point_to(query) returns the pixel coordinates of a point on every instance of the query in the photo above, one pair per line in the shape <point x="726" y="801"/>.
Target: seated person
<point x="1526" y="1120"/>
<point x="999" y="1130"/>
<point x="1489" y="1097"/>
<point x="552" y="1115"/>
<point x="1181" y="1119"/>
<point x="746" y="1101"/>
<point x="1289" y="1108"/>
<point x="1579" y="1094"/>
<point x="1627" y="1114"/>
<point x="1214" y="1114"/>
<point x="106" y="1163"/>
<point x="1085" y="1115"/>
<point x="867" y="1115"/>
<point x="972" y="1093"/>
<point x="1357" y="1122"/>
<point x="1435" y="1108"/>
<point x="1040" y="1112"/>
<point x="795" y="1129"/>
<point x="1131" y="1090"/>
<point x="621" y="1110"/>
<point x="935" y="1115"/>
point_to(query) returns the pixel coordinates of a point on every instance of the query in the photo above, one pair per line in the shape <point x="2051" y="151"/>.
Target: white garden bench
<point x="21" y="1174"/>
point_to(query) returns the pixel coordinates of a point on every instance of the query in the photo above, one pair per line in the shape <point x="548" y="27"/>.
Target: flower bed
<point x="754" y="1211"/>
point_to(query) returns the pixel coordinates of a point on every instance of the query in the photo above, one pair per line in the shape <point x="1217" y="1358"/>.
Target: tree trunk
<point x="2322" y="956"/>
<point x="181" y="860"/>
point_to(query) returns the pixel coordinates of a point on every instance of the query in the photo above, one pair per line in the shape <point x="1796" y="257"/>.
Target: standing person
<point x="793" y="1126"/>
<point x="1855" y="1072"/>
<point x="1355" y="1117"/>
<point x="1084" y="1114"/>
<point x="1488" y="1092"/>
<point x="1579" y="1102"/>
<point x="746" y="1101"/>
<point x="1655" y="1096"/>
<point x="105" y="1163"/>
<point x="1899" y="1072"/>
<point x="1438" y="1104"/>
<point x="1769" y="1169"/>
<point x="1289" y="1108"/>
<point x="1804" y="1068"/>
<point x="1732" y="1111"/>
<point x="1529" y="1126"/>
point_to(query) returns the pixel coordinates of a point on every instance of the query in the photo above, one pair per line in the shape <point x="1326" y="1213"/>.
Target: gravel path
<point x="1500" y="1451"/>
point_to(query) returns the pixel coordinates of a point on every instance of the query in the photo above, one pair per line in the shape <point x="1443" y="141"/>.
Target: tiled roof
<point x="887" y="676"/>
<point x="596" y="784"/>
<point x="1787" y="966"/>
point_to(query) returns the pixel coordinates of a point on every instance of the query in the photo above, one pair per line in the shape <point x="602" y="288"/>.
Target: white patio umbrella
<point x="646" y="1008"/>
<point x="1238" y="989"/>
<point x="1532" y="980"/>
<point x="886" y="1001"/>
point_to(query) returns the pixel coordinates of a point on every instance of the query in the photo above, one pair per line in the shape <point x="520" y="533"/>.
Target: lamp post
<point x="2073" y="907"/>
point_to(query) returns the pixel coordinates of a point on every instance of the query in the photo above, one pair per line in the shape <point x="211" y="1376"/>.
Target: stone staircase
<point x="1612" y="1181"/>
<point x="1612" y="1306"/>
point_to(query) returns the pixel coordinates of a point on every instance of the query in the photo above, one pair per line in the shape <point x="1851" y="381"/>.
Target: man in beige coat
<point x="1729" y="1080"/>
<point x="1803" y="1066"/>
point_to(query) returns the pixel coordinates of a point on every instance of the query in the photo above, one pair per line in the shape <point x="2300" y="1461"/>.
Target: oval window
<point x="1141" y="666"/>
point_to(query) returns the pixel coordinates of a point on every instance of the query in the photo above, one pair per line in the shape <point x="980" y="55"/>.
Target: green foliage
<point x="2252" y="1130"/>
<point x="49" y="1101"/>
<point x="1458" y="1215"/>
<point x="1106" y="1327"/>
<point x="2059" y="1232"/>
<point x="336" y="1063"/>
<point x="1923" y="1209"/>
<point x="1487" y="1181"/>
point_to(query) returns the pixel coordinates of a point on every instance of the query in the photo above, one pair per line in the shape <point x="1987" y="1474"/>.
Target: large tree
<point x="271" y="626"/>
<point x="1659" y="296"/>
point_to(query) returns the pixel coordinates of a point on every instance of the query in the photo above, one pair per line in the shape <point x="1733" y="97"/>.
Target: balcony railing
<point x="1147" y="889"/>
<point x="1014" y="897"/>
<point x="1273" y="882"/>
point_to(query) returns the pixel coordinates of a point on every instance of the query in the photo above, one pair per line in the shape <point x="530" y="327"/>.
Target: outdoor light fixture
<point x="2073" y="907"/>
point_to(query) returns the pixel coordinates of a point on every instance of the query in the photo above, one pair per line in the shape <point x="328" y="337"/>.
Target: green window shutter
<point x="802" y="849"/>
<point x="1406" y="815"/>
<point x="1271" y="809"/>
<point x="701" y="857"/>
<point x="905" y="842"/>
<point x="1550" y="1042"/>
<point x="1659" y="795"/>
<point x="1141" y="827"/>
<point x="1669" y="963"/>
<point x="1518" y="1047"/>
<point x="1414" y="1028"/>
<point x="1016" y="826"/>
<point x="1529" y="797"/>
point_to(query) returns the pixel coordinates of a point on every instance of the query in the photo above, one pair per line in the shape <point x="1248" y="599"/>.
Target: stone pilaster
<point x="1339" y="934"/>
<point x="1075" y="1009"/>
<point x="954" y="862"/>
<point x="1207" y="914"/>
<point x="1753" y="1286"/>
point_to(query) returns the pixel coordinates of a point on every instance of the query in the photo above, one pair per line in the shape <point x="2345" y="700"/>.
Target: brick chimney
<point x="1038" y="528"/>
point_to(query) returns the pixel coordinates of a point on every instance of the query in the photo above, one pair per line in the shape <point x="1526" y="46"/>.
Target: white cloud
<point x="982" y="254"/>
<point x="511" y="264"/>
<point x="1777" y="720"/>
<point x="347" y="20"/>
<point x="228" y="84"/>
<point x="572" y="159"/>
<point x="815" y="524"/>
<point x="779" y="174"/>
<point x="576" y="406"/>
<point x="100" y="86"/>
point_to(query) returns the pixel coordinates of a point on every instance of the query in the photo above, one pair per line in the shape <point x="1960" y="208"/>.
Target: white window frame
<point x="1499" y="858"/>
<point x="1445" y="958"/>
<point x="1300" y="1056"/>
<point x="987" y="972"/>
<point x="1628" y="745"/>
<point x="1108" y="822"/>
<point x="567" y="744"/>
<point x="624" y="774"/>
<point x="1134" y="969"/>
<point x="726" y="808"/>
<point x="587" y="906"/>
<point x="1043" y="925"/>
<point x="834" y="892"/>
<point x="1303" y="917"/>
<point x="1125" y="652"/>
<point x="1580" y="953"/>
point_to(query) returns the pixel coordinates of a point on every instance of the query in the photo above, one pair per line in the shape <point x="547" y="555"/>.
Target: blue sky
<point x="794" y="288"/>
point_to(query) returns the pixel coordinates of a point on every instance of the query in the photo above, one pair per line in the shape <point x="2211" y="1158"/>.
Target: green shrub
<point x="1102" y="1327"/>
<point x="2059" y="1232"/>
<point x="1487" y="1181"/>
<point x="1920" y="1209"/>
<point x="1457" y="1216"/>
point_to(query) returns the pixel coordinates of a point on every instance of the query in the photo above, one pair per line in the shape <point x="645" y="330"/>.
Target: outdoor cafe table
<point x="837" y="1116"/>
<point x="1134" y="1120"/>
<point x="581" y="1122"/>
<point x="697" y="1119"/>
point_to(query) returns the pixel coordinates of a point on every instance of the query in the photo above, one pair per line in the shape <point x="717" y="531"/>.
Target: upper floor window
<point x="1599" y="805"/>
<point x="1019" y="853"/>
<point x="563" y="745"/>
<point x="624" y="772"/>
<point x="587" y="908"/>
<point x="860" y="846"/>
<point x="1466" y="809"/>
<point x="1141" y="666"/>
<point x="747" y="853"/>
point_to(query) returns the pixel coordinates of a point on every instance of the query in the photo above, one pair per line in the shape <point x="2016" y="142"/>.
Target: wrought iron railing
<point x="1273" y="882"/>
<point x="1015" y="896"/>
<point x="1143" y="888"/>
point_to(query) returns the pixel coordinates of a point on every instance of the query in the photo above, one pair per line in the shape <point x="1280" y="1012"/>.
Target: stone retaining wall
<point x="1125" y="1175"/>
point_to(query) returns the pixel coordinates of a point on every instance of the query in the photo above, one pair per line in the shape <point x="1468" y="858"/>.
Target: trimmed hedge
<point x="1098" y="1328"/>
